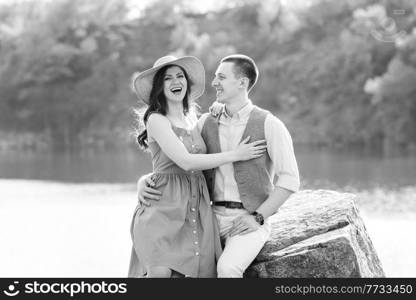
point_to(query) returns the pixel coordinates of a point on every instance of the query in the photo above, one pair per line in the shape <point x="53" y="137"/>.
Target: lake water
<point x="318" y="168"/>
<point x="88" y="224"/>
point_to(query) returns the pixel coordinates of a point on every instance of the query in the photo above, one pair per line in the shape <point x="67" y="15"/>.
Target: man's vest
<point x="253" y="179"/>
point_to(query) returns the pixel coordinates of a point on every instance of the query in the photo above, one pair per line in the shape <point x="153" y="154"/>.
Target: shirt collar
<point x="242" y="113"/>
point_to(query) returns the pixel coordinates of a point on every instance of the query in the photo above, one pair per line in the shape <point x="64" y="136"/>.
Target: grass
<point x="82" y="230"/>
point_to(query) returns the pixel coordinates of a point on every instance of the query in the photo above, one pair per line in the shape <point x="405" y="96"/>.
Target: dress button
<point x="197" y="253"/>
<point x="194" y="231"/>
<point x="193" y="209"/>
<point x="196" y="243"/>
<point x="194" y="220"/>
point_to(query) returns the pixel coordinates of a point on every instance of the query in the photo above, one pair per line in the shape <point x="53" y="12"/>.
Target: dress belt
<point x="229" y="204"/>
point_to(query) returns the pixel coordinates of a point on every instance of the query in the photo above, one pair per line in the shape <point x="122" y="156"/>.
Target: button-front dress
<point x="180" y="230"/>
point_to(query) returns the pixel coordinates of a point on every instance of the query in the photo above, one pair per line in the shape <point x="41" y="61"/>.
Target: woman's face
<point x="175" y="84"/>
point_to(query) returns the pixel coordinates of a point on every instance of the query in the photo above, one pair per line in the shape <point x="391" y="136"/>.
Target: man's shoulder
<point x="204" y="116"/>
<point x="259" y="109"/>
<point x="263" y="112"/>
<point x="270" y="117"/>
<point x="203" y="119"/>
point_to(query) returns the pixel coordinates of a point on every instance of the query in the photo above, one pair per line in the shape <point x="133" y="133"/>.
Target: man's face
<point x="228" y="86"/>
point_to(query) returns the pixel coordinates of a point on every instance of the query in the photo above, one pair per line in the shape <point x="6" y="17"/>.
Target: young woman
<point x="178" y="234"/>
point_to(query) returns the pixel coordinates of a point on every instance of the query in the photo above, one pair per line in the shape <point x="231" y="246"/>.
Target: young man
<point x="243" y="193"/>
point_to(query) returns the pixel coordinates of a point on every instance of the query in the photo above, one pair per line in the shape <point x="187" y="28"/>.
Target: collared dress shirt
<point x="279" y="148"/>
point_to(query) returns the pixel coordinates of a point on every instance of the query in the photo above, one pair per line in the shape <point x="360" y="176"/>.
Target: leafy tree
<point x="65" y="66"/>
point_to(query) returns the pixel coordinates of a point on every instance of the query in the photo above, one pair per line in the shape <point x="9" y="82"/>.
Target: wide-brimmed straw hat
<point x="143" y="82"/>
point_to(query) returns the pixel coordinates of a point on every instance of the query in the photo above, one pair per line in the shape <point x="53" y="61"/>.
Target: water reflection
<point x="329" y="169"/>
<point x="318" y="168"/>
<point x="86" y="166"/>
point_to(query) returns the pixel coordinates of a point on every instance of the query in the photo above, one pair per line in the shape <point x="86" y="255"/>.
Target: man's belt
<point x="229" y="204"/>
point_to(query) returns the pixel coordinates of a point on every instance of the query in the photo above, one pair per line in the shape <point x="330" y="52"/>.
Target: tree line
<point x="338" y="73"/>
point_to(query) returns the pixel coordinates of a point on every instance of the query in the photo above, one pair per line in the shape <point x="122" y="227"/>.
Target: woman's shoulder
<point x="157" y="118"/>
<point x="157" y="122"/>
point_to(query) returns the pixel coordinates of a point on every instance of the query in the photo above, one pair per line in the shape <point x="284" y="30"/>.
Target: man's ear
<point x="244" y="82"/>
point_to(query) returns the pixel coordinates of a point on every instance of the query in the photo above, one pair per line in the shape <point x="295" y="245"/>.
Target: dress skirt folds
<point x="180" y="230"/>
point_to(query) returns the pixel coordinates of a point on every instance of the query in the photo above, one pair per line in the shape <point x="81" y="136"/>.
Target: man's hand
<point x="145" y="191"/>
<point x="243" y="225"/>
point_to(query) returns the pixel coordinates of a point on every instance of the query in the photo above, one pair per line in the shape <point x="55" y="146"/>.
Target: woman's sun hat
<point x="143" y="82"/>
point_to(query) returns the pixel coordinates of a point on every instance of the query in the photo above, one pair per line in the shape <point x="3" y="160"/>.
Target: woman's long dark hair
<point x="158" y="103"/>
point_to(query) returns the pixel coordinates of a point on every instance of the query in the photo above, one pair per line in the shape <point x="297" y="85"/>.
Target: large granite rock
<point x="317" y="234"/>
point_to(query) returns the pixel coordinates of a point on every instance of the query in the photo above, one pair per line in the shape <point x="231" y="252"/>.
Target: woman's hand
<point x="247" y="151"/>
<point x="216" y="109"/>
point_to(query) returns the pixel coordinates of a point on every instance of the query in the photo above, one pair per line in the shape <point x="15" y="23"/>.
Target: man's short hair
<point x="243" y="66"/>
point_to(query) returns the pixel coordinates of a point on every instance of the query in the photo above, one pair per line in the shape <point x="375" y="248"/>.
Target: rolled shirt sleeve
<point x="280" y="149"/>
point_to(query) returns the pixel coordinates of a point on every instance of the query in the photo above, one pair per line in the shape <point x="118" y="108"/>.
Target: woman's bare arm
<point x="159" y="128"/>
